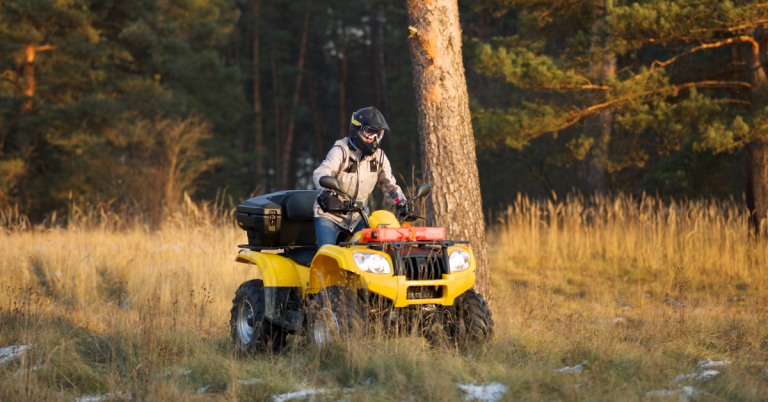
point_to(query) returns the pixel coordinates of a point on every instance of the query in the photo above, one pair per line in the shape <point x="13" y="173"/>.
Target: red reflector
<point x="401" y="234"/>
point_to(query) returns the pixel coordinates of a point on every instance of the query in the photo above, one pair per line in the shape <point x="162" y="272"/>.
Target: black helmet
<point x="371" y="123"/>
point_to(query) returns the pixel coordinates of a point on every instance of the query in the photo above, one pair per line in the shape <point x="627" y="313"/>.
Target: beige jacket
<point x="358" y="175"/>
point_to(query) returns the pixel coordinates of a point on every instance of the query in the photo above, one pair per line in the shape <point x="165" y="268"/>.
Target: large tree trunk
<point x="258" y="123"/>
<point x="757" y="149"/>
<point x="445" y="130"/>
<point x="288" y="147"/>
<point x="599" y="125"/>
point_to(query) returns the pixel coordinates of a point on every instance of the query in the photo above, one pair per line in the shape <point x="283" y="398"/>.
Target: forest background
<point x="135" y="102"/>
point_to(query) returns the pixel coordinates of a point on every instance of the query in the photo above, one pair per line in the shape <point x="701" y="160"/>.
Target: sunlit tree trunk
<point x="28" y="93"/>
<point x="757" y="149"/>
<point x="447" y="143"/>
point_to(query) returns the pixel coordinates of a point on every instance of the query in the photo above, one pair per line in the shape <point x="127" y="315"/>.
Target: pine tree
<point x="677" y="84"/>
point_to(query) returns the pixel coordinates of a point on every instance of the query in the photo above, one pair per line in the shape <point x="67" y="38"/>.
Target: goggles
<point x="371" y="133"/>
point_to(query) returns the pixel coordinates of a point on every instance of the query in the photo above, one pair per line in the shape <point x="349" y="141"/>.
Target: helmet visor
<point x="371" y="133"/>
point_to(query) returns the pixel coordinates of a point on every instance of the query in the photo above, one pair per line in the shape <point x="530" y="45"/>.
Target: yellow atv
<point x="388" y="276"/>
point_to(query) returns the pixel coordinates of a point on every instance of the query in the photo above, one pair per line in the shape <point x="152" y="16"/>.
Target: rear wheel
<point x="474" y="322"/>
<point x="335" y="313"/>
<point x="251" y="332"/>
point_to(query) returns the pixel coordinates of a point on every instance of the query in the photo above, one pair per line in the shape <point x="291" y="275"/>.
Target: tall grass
<point x="640" y="289"/>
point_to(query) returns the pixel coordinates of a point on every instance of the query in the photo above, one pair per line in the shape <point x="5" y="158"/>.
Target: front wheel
<point x="251" y="332"/>
<point x="474" y="322"/>
<point x="334" y="313"/>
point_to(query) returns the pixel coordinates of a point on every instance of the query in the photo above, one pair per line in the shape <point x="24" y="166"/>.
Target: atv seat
<point x="301" y="256"/>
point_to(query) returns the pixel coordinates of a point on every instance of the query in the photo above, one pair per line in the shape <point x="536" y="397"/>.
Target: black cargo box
<point x="280" y="219"/>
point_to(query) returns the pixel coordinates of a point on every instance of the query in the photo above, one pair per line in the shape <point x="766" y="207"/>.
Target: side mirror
<point x="422" y="190"/>
<point x="331" y="183"/>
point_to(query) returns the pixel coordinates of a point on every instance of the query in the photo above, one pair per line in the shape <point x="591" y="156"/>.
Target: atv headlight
<point x="458" y="260"/>
<point x="371" y="262"/>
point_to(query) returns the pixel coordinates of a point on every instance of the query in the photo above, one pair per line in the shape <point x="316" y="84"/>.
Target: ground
<point x="602" y="299"/>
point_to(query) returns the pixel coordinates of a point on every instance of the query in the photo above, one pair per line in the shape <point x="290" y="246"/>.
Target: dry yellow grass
<point x="640" y="289"/>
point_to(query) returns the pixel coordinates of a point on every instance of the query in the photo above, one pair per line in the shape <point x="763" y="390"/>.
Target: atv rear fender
<point x="283" y="290"/>
<point x="276" y="270"/>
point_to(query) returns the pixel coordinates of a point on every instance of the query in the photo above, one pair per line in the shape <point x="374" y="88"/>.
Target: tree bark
<point x="757" y="149"/>
<point x="277" y="102"/>
<point x="599" y="125"/>
<point x="342" y="79"/>
<point x="27" y="93"/>
<point x="288" y="147"/>
<point x="258" y="122"/>
<point x="317" y="120"/>
<point x="382" y="20"/>
<point x="446" y="140"/>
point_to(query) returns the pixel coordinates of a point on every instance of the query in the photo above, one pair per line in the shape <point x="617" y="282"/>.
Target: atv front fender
<point x="333" y="266"/>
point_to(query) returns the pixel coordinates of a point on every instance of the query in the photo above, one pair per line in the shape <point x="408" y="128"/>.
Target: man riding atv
<point x="388" y="276"/>
<point x="359" y="165"/>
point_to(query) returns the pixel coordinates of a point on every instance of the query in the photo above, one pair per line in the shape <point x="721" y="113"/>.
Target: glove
<point x="329" y="202"/>
<point x="403" y="209"/>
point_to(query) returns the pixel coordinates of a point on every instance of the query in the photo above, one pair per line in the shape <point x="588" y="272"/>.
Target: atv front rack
<point x="402" y="243"/>
<point x="413" y="262"/>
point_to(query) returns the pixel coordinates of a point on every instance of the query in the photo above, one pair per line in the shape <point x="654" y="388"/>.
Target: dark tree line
<point x="139" y="101"/>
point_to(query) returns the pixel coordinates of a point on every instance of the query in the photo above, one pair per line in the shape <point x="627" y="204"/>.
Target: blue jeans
<point x="328" y="231"/>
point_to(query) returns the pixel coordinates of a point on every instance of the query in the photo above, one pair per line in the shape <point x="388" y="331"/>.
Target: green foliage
<point x="105" y="64"/>
<point x="661" y="96"/>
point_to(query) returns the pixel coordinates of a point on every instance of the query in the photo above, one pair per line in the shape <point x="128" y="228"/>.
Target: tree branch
<point x="575" y="117"/>
<point x="738" y="39"/>
<point x="733" y="29"/>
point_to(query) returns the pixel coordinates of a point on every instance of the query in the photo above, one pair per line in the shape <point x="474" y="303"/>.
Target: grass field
<point x="640" y="290"/>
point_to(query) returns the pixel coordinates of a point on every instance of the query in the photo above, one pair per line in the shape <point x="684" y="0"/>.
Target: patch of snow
<point x="203" y="389"/>
<point x="8" y="353"/>
<point x="297" y="394"/>
<point x="685" y="394"/>
<point x="573" y="370"/>
<point x="105" y="397"/>
<point x="707" y="375"/>
<point x="485" y="393"/>
<point x="703" y="365"/>
<point x="617" y="320"/>
<point x="249" y="382"/>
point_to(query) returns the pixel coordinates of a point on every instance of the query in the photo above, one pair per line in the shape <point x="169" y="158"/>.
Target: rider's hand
<point x="403" y="209"/>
